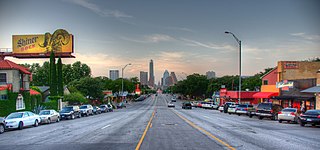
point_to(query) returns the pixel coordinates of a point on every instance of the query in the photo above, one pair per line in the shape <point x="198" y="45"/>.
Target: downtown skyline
<point x="110" y="34"/>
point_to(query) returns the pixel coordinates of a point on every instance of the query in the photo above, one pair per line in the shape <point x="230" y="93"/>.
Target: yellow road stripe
<point x="146" y="130"/>
<point x="204" y="131"/>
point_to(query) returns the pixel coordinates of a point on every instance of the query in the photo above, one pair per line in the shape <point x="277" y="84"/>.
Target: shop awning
<point x="293" y="97"/>
<point x="315" y="89"/>
<point x="265" y="94"/>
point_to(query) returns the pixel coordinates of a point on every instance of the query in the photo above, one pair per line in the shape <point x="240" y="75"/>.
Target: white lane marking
<point x="106" y="126"/>
<point x="206" y="117"/>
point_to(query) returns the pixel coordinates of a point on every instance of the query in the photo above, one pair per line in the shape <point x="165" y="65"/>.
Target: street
<point x="150" y="124"/>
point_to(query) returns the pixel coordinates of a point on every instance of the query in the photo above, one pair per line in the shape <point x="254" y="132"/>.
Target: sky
<point x="184" y="36"/>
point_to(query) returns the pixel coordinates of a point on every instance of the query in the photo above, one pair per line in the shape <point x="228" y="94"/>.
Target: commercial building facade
<point x="143" y="78"/>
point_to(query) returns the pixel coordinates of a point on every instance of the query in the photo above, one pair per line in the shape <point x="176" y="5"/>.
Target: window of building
<point x="3" y="97"/>
<point x="20" y="103"/>
<point x="3" y="78"/>
<point x="265" y="82"/>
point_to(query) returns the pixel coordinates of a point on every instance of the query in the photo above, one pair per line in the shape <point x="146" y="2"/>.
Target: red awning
<point x="33" y="92"/>
<point x="265" y="94"/>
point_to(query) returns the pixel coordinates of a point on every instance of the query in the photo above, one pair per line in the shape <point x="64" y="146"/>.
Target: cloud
<point x="305" y="36"/>
<point x="153" y="38"/>
<point x="181" y="29"/>
<point x="102" y="12"/>
<point x="208" y="45"/>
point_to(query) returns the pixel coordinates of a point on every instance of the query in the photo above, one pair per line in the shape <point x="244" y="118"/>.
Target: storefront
<point x="246" y="97"/>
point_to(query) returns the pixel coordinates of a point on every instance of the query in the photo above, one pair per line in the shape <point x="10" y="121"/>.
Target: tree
<point x="75" y="99"/>
<point x="89" y="87"/>
<point x="53" y="75"/>
<point x="60" y="80"/>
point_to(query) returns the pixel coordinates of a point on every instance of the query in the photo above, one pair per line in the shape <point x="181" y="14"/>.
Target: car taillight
<point x="292" y="113"/>
<point x="271" y="111"/>
<point x="237" y="108"/>
<point x="301" y="115"/>
<point x="246" y="109"/>
<point x="279" y="112"/>
<point x="318" y="116"/>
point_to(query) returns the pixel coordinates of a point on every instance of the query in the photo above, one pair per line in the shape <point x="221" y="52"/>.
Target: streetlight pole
<point x="239" y="42"/>
<point x="122" y="78"/>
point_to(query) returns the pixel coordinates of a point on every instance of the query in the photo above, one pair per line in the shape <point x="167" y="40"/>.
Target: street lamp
<point x="122" y="77"/>
<point x="239" y="42"/>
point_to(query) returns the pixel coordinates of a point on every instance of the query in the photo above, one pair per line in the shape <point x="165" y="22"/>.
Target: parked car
<point x="232" y="109"/>
<point x="186" y="105"/>
<point x="226" y="106"/>
<point x="48" y="116"/>
<point x="173" y="99"/>
<point x="194" y="103"/>
<point x="96" y="110"/>
<point x="243" y="109"/>
<point x="170" y="104"/>
<point x="252" y="111"/>
<point x="2" y="125"/>
<point x="209" y="105"/>
<point x="289" y="115"/>
<point x="121" y="105"/>
<point x="199" y="105"/>
<point x="18" y="120"/>
<point x="86" y="110"/>
<point x="221" y="108"/>
<point x="310" y="117"/>
<point x="269" y="110"/>
<point x="70" y="112"/>
<point x="104" y="108"/>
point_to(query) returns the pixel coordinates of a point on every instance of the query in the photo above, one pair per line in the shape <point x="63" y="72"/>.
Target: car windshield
<point x="289" y="110"/>
<point x="313" y="112"/>
<point x="265" y="106"/>
<point x="67" y="109"/>
<point x="44" y="112"/>
<point x="83" y="107"/>
<point x="15" y="115"/>
<point x="242" y="106"/>
<point x="102" y="106"/>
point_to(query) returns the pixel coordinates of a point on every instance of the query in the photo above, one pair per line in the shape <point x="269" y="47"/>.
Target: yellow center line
<point x="146" y="130"/>
<point x="204" y="131"/>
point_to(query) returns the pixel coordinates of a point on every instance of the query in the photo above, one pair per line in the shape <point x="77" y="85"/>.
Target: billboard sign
<point x="61" y="42"/>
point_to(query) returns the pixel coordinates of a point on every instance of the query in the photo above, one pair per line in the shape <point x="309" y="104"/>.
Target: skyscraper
<point x="174" y="78"/>
<point x="114" y="74"/>
<point x="143" y="78"/>
<point x="151" y="74"/>
<point x="165" y="76"/>
<point x="210" y="74"/>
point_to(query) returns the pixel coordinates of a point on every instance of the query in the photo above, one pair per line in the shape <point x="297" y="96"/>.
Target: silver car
<point x="289" y="115"/>
<point x="48" y="116"/>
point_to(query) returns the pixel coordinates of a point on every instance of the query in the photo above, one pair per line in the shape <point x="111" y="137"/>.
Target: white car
<point x="232" y="109"/>
<point x="221" y="108"/>
<point x="173" y="99"/>
<point x="18" y="120"/>
<point x="171" y="105"/>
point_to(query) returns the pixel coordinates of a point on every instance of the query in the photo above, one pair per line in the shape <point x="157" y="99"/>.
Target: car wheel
<point x="79" y="116"/>
<point x="20" y="127"/>
<point x="229" y="113"/>
<point x="280" y="121"/>
<point x="313" y="125"/>
<point x="301" y="123"/>
<point x="239" y="114"/>
<point x="260" y="117"/>
<point x="1" y="128"/>
<point x="36" y="123"/>
<point x="72" y="116"/>
<point x="58" y="119"/>
<point x="275" y="117"/>
<point x="49" y="120"/>
<point x="289" y="121"/>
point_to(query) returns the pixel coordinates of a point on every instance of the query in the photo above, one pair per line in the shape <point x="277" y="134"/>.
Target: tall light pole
<point x="122" y="77"/>
<point x="239" y="42"/>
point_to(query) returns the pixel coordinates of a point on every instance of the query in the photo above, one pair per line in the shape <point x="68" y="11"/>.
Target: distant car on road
<point x="310" y="117"/>
<point x="2" y="125"/>
<point x="186" y="105"/>
<point x="96" y="110"/>
<point x="104" y="108"/>
<point x="86" y="110"/>
<point x="110" y="107"/>
<point x="243" y="109"/>
<point x="70" y="112"/>
<point x="232" y="109"/>
<point x="170" y="104"/>
<point x="22" y="119"/>
<point x="269" y="110"/>
<point x="173" y="99"/>
<point x="48" y="116"/>
<point x="289" y="115"/>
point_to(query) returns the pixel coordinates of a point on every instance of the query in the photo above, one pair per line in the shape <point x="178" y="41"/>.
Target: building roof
<point x="43" y="88"/>
<point x="33" y="92"/>
<point x="269" y="72"/>
<point x="7" y="64"/>
<point x="315" y="89"/>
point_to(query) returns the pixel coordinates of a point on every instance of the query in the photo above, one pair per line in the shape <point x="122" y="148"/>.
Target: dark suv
<point x="70" y="112"/>
<point x="269" y="110"/>
<point x="186" y="105"/>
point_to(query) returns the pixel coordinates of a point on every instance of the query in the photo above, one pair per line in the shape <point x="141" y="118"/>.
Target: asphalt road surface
<point x="151" y="125"/>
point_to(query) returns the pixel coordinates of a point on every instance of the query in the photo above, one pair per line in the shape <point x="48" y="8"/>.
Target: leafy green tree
<point x="75" y="99"/>
<point x="60" y="80"/>
<point x="89" y="87"/>
<point x="53" y="75"/>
